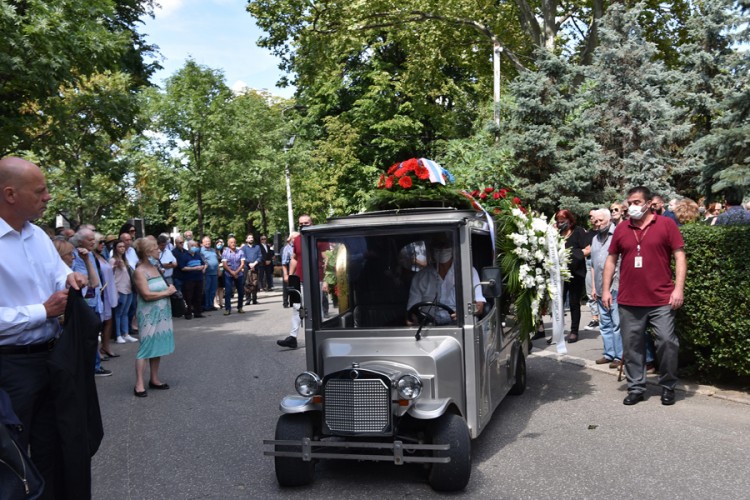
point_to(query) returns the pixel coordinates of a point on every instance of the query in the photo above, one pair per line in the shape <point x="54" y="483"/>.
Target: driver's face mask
<point x="443" y="255"/>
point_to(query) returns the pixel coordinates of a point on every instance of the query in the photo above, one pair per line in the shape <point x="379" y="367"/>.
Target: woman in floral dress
<point x="154" y="316"/>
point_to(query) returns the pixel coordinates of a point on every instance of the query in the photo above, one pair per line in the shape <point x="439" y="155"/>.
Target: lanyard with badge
<point x="638" y="259"/>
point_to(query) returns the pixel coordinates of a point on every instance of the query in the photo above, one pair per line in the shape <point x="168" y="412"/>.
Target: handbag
<point x="176" y="299"/>
<point x="18" y="476"/>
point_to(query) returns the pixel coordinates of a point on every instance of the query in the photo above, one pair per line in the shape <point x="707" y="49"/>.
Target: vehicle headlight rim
<point x="409" y="386"/>
<point x="308" y="384"/>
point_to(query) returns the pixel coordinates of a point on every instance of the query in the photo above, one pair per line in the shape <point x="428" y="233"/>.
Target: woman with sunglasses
<point x="617" y="212"/>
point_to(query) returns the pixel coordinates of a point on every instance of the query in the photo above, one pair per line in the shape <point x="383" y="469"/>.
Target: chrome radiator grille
<point x="361" y="406"/>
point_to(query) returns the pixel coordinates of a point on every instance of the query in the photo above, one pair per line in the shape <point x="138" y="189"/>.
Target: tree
<point x="190" y="113"/>
<point x="46" y="46"/>
<point x="717" y="92"/>
<point x="83" y="133"/>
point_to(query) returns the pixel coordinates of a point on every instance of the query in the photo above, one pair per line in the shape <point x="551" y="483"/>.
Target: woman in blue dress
<point x="154" y="316"/>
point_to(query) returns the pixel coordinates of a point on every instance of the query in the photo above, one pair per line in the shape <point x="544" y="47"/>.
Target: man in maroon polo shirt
<point x="647" y="294"/>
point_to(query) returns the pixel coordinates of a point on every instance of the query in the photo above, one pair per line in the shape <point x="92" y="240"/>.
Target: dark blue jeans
<point x="210" y="283"/>
<point x="239" y="283"/>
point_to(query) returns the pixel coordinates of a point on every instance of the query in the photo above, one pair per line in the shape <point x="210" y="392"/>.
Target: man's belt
<point x="29" y="348"/>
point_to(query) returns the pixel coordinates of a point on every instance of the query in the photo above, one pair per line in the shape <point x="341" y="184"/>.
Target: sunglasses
<point x="614" y="209"/>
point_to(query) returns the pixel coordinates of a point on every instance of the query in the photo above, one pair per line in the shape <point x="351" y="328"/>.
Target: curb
<point x="688" y="388"/>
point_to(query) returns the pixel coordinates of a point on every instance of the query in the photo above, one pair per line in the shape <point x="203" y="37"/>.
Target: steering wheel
<point x="421" y="315"/>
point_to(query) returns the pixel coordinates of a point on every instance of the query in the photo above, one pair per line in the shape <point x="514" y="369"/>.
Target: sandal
<point x="104" y="353"/>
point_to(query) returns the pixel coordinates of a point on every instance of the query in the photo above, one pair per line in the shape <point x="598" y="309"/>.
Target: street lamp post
<point x="497" y="50"/>
<point x="290" y="212"/>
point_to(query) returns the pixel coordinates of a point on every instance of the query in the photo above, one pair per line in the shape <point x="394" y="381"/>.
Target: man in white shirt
<point x="130" y="256"/>
<point x="166" y="257"/>
<point x="437" y="283"/>
<point x="29" y="326"/>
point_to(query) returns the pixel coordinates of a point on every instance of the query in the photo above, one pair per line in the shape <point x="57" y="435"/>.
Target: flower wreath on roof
<point x="415" y="183"/>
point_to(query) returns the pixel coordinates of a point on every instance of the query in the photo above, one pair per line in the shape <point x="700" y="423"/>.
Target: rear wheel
<point x="520" y="384"/>
<point x="294" y="471"/>
<point x="454" y="475"/>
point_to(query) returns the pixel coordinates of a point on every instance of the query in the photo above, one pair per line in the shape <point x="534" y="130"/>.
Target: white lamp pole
<point x="290" y="212"/>
<point x="497" y="50"/>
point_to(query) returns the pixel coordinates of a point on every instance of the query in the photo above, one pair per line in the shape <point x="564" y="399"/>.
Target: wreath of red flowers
<point x="497" y="201"/>
<point x="408" y="174"/>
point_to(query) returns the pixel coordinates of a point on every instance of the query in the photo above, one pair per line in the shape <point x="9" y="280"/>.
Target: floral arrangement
<point x="526" y="242"/>
<point x="416" y="183"/>
<point x="496" y="201"/>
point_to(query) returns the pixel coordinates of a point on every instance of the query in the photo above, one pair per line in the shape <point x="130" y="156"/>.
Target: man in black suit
<point x="266" y="268"/>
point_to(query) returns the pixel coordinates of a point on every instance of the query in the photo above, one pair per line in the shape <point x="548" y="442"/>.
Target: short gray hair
<point x="82" y="233"/>
<point x="604" y="213"/>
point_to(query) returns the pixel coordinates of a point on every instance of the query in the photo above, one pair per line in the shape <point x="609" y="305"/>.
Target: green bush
<point x="714" y="323"/>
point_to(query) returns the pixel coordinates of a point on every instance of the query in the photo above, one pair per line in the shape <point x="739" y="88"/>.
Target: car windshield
<point x="368" y="279"/>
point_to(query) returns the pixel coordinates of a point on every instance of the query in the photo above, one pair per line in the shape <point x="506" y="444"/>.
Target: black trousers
<point x="192" y="291"/>
<point x="27" y="380"/>
<point x="574" y="290"/>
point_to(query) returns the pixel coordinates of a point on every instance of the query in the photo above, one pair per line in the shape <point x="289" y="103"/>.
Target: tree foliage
<point x="46" y="46"/>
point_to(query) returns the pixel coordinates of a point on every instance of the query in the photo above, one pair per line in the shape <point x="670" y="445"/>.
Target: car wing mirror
<point x="294" y="287"/>
<point x="492" y="282"/>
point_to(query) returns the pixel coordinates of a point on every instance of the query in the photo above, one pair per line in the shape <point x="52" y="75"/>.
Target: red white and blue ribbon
<point x="437" y="173"/>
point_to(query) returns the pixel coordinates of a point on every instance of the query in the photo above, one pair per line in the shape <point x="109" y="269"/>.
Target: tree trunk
<point x="199" y="209"/>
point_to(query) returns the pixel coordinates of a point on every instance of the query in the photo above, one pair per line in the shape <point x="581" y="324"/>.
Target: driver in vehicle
<point x="436" y="284"/>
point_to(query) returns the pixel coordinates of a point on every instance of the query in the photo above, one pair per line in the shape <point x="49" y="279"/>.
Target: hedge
<point x="714" y="323"/>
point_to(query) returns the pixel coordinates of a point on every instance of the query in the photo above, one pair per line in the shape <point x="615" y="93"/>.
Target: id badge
<point x="638" y="262"/>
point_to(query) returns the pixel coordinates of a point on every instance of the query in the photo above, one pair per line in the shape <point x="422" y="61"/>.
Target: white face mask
<point x="443" y="255"/>
<point x="636" y="212"/>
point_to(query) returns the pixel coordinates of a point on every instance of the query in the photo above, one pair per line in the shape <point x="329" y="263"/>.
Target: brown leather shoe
<point x="615" y="364"/>
<point x="603" y="361"/>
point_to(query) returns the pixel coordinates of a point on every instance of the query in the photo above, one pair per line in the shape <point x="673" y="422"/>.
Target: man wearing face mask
<point x="648" y="295"/>
<point x="436" y="283"/>
<point x="609" y="319"/>
<point x="192" y="266"/>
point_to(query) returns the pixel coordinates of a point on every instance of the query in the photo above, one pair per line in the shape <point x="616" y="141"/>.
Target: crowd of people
<point x="627" y="275"/>
<point x="128" y="284"/>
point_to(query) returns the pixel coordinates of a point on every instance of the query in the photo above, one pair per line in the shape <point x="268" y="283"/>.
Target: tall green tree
<point x="48" y="46"/>
<point x="627" y="107"/>
<point x="250" y="194"/>
<point x="83" y="134"/>
<point x="717" y="92"/>
<point x="190" y="114"/>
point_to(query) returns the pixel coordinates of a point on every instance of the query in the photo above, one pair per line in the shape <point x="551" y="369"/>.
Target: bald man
<point x="29" y="326"/>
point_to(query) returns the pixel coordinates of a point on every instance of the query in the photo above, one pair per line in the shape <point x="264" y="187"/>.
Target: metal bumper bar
<point x="306" y="452"/>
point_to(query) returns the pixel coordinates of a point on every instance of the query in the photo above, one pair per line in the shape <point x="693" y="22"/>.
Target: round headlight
<point x="307" y="384"/>
<point x="409" y="386"/>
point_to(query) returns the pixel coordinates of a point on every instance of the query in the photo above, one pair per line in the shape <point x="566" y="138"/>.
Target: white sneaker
<point x="120" y="340"/>
<point x="129" y="338"/>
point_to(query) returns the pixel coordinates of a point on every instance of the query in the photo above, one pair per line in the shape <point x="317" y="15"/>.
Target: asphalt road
<point x="567" y="436"/>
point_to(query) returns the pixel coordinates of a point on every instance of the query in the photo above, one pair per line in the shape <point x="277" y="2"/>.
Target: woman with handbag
<point x="154" y="316"/>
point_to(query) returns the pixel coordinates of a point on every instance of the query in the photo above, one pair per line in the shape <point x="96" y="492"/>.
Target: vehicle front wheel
<point x="520" y="384"/>
<point x="294" y="471"/>
<point x="454" y="475"/>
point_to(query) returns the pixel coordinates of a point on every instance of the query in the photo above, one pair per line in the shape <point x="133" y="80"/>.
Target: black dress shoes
<point x="633" y="398"/>
<point x="139" y="394"/>
<point x="290" y="342"/>
<point x="161" y="387"/>
<point x="667" y="397"/>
